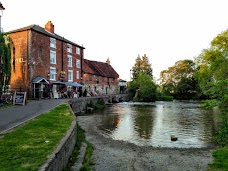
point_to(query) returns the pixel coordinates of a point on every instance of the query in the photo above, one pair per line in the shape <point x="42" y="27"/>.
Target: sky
<point x="166" y="31"/>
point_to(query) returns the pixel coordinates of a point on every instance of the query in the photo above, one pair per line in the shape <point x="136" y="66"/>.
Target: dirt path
<point x="112" y="155"/>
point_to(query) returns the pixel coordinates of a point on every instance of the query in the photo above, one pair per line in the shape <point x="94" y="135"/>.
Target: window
<point x="52" y="57"/>
<point x="52" y="73"/>
<point x="78" y="50"/>
<point x="52" y="42"/>
<point x="70" y="76"/>
<point x="77" y="74"/>
<point x="78" y="63"/>
<point x="69" y="48"/>
<point x="69" y="60"/>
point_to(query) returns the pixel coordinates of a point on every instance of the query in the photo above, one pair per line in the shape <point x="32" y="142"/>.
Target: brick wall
<point x="32" y="59"/>
<point x="19" y="67"/>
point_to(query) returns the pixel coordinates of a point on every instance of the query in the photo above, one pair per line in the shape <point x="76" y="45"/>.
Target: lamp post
<point x="1" y="14"/>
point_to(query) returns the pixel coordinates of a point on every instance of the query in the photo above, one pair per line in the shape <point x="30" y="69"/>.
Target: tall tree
<point x="143" y="65"/>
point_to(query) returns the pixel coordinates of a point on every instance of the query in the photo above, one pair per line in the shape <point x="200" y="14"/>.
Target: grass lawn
<point x="27" y="147"/>
<point x="220" y="162"/>
<point x="87" y="162"/>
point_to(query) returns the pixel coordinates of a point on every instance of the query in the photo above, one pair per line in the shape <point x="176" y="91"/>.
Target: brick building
<point x="100" y="77"/>
<point x="42" y="57"/>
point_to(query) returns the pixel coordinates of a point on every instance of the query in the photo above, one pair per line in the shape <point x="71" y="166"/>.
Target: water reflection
<point x="152" y="124"/>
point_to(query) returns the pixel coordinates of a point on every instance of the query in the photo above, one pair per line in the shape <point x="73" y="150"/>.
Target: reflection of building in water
<point x="111" y="122"/>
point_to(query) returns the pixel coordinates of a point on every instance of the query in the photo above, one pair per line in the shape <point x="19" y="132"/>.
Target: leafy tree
<point x="212" y="74"/>
<point x="145" y="87"/>
<point x="212" y="70"/>
<point x="5" y="58"/>
<point x="142" y="65"/>
<point x="178" y="80"/>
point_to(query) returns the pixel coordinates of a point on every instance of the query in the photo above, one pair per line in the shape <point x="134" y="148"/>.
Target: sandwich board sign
<point x="19" y="98"/>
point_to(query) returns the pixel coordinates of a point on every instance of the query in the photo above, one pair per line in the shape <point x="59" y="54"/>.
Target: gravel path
<point x="112" y="155"/>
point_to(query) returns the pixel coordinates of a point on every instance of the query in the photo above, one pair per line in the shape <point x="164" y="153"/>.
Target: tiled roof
<point x="100" y="69"/>
<point x="45" y="32"/>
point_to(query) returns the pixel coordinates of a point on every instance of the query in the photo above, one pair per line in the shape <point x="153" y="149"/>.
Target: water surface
<point x="152" y="124"/>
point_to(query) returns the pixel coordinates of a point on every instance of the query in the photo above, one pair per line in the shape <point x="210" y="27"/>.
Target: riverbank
<point x="115" y="155"/>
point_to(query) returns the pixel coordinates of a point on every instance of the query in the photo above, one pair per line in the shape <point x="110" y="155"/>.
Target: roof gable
<point x="45" y="32"/>
<point x="100" y="69"/>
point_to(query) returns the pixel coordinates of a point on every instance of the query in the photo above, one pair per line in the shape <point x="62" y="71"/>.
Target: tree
<point x="6" y="46"/>
<point x="178" y="80"/>
<point x="213" y="69"/>
<point x="212" y="74"/>
<point x="142" y="65"/>
<point x="145" y="87"/>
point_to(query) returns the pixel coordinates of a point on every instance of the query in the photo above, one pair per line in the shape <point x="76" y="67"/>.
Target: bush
<point x="100" y="104"/>
<point x="165" y="98"/>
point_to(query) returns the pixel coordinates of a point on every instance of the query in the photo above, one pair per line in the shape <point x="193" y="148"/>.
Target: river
<point x="153" y="124"/>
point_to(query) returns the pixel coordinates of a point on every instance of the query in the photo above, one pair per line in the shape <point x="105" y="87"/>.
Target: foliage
<point x="27" y="147"/>
<point x="179" y="81"/>
<point x="212" y="74"/>
<point x="100" y="104"/>
<point x="6" y="46"/>
<point x="212" y="68"/>
<point x="162" y="97"/>
<point x="145" y="87"/>
<point x="220" y="159"/>
<point x="142" y="65"/>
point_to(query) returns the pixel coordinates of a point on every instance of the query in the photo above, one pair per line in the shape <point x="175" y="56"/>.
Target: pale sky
<point x="166" y="31"/>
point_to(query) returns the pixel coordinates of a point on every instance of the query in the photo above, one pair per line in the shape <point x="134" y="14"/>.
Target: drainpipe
<point x="81" y="65"/>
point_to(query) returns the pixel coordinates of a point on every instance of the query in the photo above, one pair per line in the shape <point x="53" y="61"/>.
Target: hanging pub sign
<point x="19" y="98"/>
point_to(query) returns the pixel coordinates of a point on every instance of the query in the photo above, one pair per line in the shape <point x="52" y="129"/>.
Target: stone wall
<point x="79" y="105"/>
<point x="59" y="158"/>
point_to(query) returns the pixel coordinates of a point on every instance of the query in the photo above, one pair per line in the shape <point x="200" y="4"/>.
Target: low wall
<point x="59" y="158"/>
<point x="79" y="105"/>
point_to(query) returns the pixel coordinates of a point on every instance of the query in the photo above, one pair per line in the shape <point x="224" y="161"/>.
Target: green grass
<point x="28" y="147"/>
<point x="220" y="162"/>
<point x="5" y="106"/>
<point x="88" y="154"/>
<point x="220" y="155"/>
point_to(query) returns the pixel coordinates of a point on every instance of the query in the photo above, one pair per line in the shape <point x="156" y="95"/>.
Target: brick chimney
<point x="49" y="27"/>
<point x="108" y="61"/>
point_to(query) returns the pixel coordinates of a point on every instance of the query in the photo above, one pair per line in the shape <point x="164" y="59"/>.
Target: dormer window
<point x="69" y="48"/>
<point x="52" y="43"/>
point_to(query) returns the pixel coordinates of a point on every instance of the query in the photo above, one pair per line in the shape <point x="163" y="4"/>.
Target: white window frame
<point x="69" y="48"/>
<point x="70" y="75"/>
<point x="69" y="60"/>
<point x="78" y="63"/>
<point x="52" y="57"/>
<point x="52" y="73"/>
<point x="52" y="42"/>
<point x="78" y="50"/>
<point x="77" y="74"/>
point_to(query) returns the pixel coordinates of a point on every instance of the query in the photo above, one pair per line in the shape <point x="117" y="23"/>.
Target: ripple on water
<point x="152" y="124"/>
